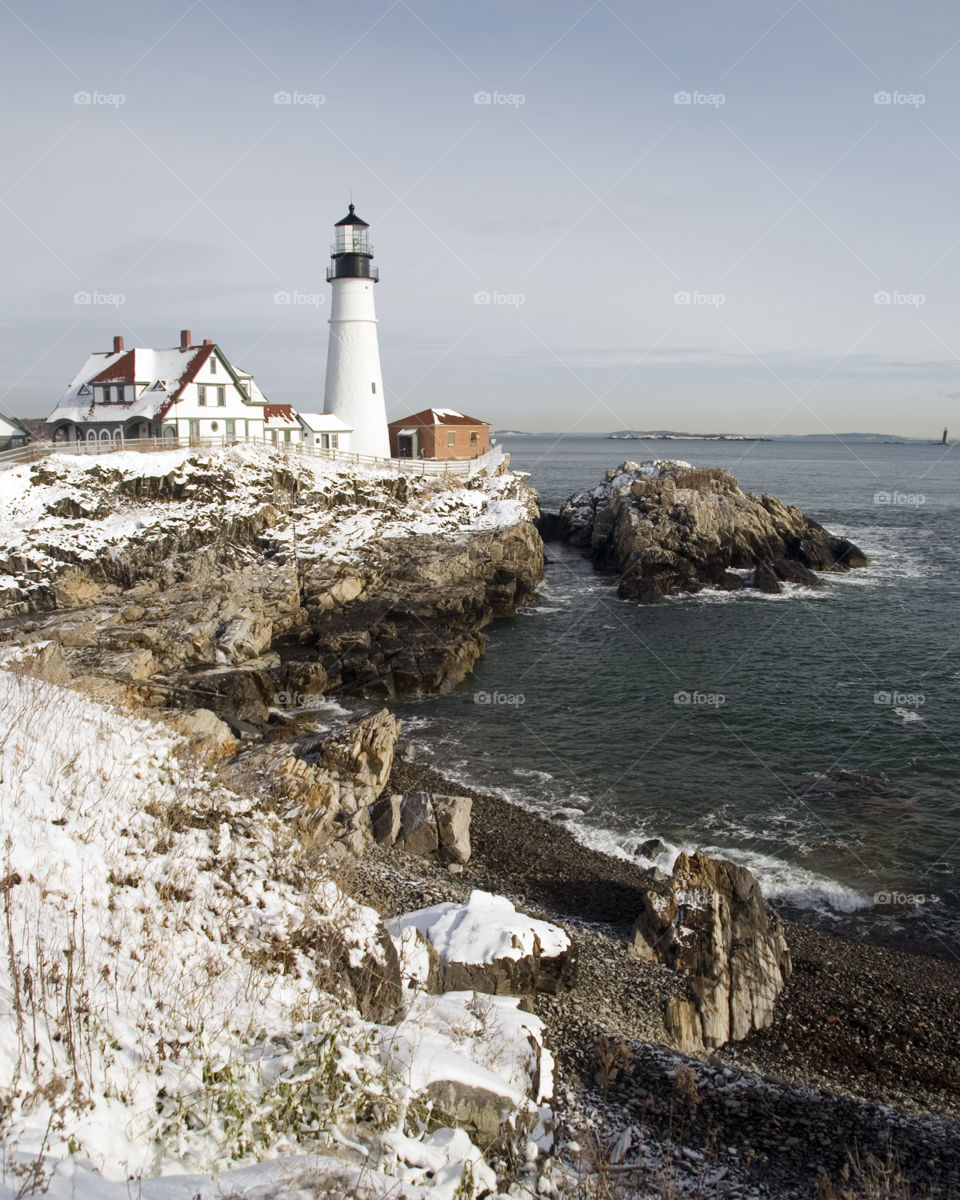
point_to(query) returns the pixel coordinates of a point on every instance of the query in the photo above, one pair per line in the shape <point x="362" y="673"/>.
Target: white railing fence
<point x="455" y="467"/>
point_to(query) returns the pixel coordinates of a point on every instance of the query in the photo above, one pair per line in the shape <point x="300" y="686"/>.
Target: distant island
<point x="671" y="435"/>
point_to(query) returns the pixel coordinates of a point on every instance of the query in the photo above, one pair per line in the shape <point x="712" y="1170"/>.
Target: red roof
<point x="122" y="371"/>
<point x="439" y="416"/>
<point x="282" y="411"/>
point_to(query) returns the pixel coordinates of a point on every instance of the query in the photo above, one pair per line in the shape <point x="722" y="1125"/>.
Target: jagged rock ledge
<point x="666" y="527"/>
<point x="245" y="581"/>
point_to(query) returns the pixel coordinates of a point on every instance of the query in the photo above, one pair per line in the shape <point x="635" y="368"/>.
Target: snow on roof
<point x="438" y="416"/>
<point x="324" y="423"/>
<point x="9" y="426"/>
<point x="280" y="416"/>
<point x="171" y="369"/>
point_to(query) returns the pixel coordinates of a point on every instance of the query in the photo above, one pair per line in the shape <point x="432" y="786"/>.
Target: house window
<point x="214" y="426"/>
<point x="286" y="435"/>
<point x="473" y="436"/>
<point x="452" y="438"/>
<point x="245" y="387"/>
<point x="373" y="388"/>
<point x="334" y="441"/>
<point x="221" y="396"/>
<point x="213" y="364"/>
<point x="107" y="395"/>
<point x="201" y="394"/>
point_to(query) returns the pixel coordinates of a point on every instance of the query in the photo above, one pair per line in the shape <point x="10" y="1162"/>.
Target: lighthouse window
<point x="373" y="388"/>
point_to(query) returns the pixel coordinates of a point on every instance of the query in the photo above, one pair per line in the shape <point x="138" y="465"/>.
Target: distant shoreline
<point x="627" y="435"/>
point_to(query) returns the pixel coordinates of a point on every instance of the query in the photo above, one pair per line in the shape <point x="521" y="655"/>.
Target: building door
<point x="194" y="431"/>
<point x="230" y="431"/>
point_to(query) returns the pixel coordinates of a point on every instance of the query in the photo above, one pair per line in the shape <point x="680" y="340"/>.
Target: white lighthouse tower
<point x="354" y="387"/>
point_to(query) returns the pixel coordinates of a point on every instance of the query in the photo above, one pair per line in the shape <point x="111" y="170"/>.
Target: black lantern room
<point x="351" y="252"/>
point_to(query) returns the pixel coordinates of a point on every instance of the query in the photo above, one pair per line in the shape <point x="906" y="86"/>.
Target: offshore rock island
<point x="665" y="527"/>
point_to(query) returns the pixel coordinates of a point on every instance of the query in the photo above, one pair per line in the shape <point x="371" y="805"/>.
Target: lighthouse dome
<point x="352" y="219"/>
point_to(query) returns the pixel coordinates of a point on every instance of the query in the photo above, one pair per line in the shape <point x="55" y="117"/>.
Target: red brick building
<point x="438" y="433"/>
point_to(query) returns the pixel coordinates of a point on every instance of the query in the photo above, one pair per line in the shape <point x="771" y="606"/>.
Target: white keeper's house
<point x="188" y="392"/>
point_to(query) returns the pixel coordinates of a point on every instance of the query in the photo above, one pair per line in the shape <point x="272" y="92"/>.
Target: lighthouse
<point x="354" y="387"/>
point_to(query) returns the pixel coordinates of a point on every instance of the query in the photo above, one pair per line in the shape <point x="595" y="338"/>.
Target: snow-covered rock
<point x="200" y="567"/>
<point x="487" y="945"/>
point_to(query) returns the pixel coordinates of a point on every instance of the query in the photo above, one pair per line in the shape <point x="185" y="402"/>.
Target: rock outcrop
<point x="666" y="527"/>
<point x="712" y="924"/>
<point x="425" y="824"/>
<point x="249" y="583"/>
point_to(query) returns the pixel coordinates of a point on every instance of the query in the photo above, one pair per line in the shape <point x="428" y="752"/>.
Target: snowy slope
<point x="162" y="1007"/>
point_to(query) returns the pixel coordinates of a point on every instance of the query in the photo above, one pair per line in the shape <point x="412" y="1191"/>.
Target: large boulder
<point x="485" y="945"/>
<point x="712" y="924"/>
<point x="453" y="827"/>
<point x="666" y="527"/>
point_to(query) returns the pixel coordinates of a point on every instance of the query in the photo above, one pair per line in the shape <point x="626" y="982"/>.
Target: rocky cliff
<point x="666" y="527"/>
<point x="241" y="580"/>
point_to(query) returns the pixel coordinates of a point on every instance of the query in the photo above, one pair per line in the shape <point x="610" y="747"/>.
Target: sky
<point x="588" y="216"/>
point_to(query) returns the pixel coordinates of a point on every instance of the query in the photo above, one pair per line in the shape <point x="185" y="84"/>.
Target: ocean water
<point x="811" y="736"/>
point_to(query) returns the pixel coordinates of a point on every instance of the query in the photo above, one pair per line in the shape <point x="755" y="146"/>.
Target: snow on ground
<point x="164" y="1006"/>
<point x="40" y="518"/>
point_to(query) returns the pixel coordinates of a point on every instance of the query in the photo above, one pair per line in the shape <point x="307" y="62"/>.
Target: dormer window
<point x="84" y="391"/>
<point x="213" y="364"/>
<point x="107" y="395"/>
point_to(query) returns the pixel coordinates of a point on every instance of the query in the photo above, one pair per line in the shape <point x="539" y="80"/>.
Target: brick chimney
<point x="117" y="344"/>
<point x="184" y="339"/>
<point x="208" y="341"/>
